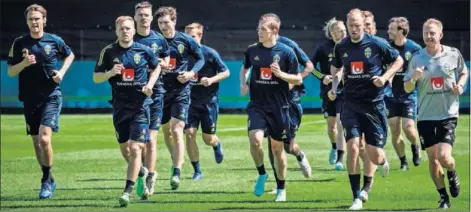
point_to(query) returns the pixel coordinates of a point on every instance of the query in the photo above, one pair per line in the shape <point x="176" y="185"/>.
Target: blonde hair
<point x="196" y="26"/>
<point x="434" y="21"/>
<point x="329" y="25"/>
<point x="122" y="19"/>
<point x="36" y="7"/>
<point x="354" y="12"/>
<point x="273" y="20"/>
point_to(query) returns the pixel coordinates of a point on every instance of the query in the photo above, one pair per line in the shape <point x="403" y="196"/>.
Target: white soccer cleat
<point x="280" y="195"/>
<point x="384" y="169"/>
<point x="364" y="196"/>
<point x="305" y="167"/>
<point x="357" y="205"/>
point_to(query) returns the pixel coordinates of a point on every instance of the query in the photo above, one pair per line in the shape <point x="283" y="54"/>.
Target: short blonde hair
<point x="196" y="26"/>
<point x="122" y="19"/>
<point x="329" y="25"/>
<point x="36" y="7"/>
<point x="368" y="14"/>
<point x="434" y="21"/>
<point x="273" y="20"/>
<point x="354" y="12"/>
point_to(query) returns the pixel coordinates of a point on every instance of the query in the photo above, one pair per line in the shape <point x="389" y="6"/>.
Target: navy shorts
<point x="329" y="107"/>
<point x="132" y="124"/>
<point x="369" y="119"/>
<point x="156" y="109"/>
<point x="206" y="114"/>
<point x="339" y="104"/>
<point x="176" y="105"/>
<point x="435" y="132"/>
<point x="295" y="115"/>
<point x="400" y="109"/>
<point x="275" y="120"/>
<point x="44" y="112"/>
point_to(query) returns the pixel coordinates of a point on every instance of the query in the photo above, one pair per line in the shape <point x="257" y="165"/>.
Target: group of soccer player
<point x="171" y="79"/>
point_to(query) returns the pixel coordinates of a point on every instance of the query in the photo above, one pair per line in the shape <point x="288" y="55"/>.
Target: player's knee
<point x="135" y="150"/>
<point x="408" y="127"/>
<point x="209" y="139"/>
<point x="444" y="159"/>
<point x="288" y="148"/>
<point x="332" y="127"/>
<point x="277" y="149"/>
<point x="44" y="140"/>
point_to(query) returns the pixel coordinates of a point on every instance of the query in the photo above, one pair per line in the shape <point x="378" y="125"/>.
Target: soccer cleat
<point x="218" y="153"/>
<point x="280" y="195"/>
<point x="384" y="169"/>
<point x="305" y="167"/>
<point x="141" y="184"/>
<point x="175" y="182"/>
<point x="357" y="205"/>
<point x="151" y="184"/>
<point x="124" y="199"/>
<point x="416" y="158"/>
<point x="197" y="176"/>
<point x="454" y="184"/>
<point x="404" y="167"/>
<point x="47" y="189"/>
<point x="364" y="196"/>
<point x="444" y="203"/>
<point x="332" y="156"/>
<point x="339" y="166"/>
<point x="260" y="185"/>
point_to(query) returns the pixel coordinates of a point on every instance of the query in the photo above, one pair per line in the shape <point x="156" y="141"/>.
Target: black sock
<point x="355" y="185"/>
<point x="176" y="172"/>
<point x="451" y="174"/>
<point x="196" y="166"/>
<point x="414" y="148"/>
<point x="47" y="175"/>
<point x="261" y="170"/>
<point x="142" y="171"/>
<point x="366" y="183"/>
<point x="217" y="146"/>
<point x="129" y="186"/>
<point x="280" y="184"/>
<point x="443" y="194"/>
<point x="150" y="175"/>
<point x="334" y="145"/>
<point x="340" y="156"/>
<point x="300" y="156"/>
<point x="403" y="159"/>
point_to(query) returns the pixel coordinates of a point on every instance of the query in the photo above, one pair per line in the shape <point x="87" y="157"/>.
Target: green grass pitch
<point x="90" y="172"/>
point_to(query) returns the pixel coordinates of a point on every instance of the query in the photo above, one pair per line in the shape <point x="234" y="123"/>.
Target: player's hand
<point x="207" y="81"/>
<point x="147" y="90"/>
<point x="290" y="86"/>
<point x="327" y="79"/>
<point x="185" y="76"/>
<point x="419" y="71"/>
<point x="244" y="88"/>
<point x="275" y="69"/>
<point x="117" y="68"/>
<point x="164" y="66"/>
<point x="457" y="89"/>
<point x="332" y="95"/>
<point x="379" y="81"/>
<point x="28" y="59"/>
<point x="57" y="76"/>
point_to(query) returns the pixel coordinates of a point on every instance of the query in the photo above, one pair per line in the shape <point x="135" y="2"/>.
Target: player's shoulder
<point x="452" y="50"/>
<point x="21" y="38"/>
<point x="377" y="40"/>
<point x="209" y="50"/>
<point x="413" y="45"/>
<point x="141" y="46"/>
<point x="418" y="54"/>
<point x="53" y="36"/>
<point x="185" y="37"/>
<point x="157" y="35"/>
<point x="287" y="41"/>
<point x="109" y="47"/>
<point x="285" y="48"/>
<point x="344" y="42"/>
<point x="253" y="46"/>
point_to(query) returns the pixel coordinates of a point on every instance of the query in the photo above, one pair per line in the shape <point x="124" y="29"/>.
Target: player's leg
<point x="328" y="108"/>
<point x="281" y="166"/>
<point x="398" y="144"/>
<point x="191" y="130"/>
<point x="341" y="144"/>
<point x="408" y="126"/>
<point x="375" y="126"/>
<point x="295" y="113"/>
<point x="446" y="134"/>
<point x="256" y="127"/>
<point x="208" y="127"/>
<point x="369" y="170"/>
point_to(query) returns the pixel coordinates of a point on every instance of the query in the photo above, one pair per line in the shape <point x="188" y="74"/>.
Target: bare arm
<point x="154" y="75"/>
<point x="16" y="69"/>
<point x="337" y="76"/>
<point x="395" y="67"/>
<point x="101" y="76"/>
<point x="307" y="69"/>
<point x="221" y="76"/>
<point x="67" y="62"/>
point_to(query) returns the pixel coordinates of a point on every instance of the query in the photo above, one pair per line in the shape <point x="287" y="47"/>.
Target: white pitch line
<point x="245" y="128"/>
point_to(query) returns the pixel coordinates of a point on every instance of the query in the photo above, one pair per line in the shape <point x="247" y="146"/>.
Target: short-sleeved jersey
<point x="126" y="87"/>
<point x="159" y="46"/>
<point x="396" y="90"/>
<point x="36" y="81"/>
<point x="322" y="60"/>
<point x="213" y="65"/>
<point x="182" y="48"/>
<point x="436" y="100"/>
<point x="297" y="90"/>
<point x="362" y="61"/>
<point x="267" y="90"/>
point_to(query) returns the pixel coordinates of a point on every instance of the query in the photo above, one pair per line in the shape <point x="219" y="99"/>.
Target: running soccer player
<point x="34" y="58"/>
<point x="439" y="73"/>
<point x="177" y="88"/>
<point x="334" y="31"/>
<point x="204" y="107"/>
<point x="363" y="57"/>
<point x="158" y="44"/>
<point x="402" y="106"/>
<point x="125" y="65"/>
<point x="274" y="67"/>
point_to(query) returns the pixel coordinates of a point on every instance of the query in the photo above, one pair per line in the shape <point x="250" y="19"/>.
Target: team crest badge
<point x="408" y="55"/>
<point x="154" y="47"/>
<point x="368" y="52"/>
<point x="47" y="49"/>
<point x="137" y="58"/>
<point x="181" y="48"/>
<point x="276" y="58"/>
